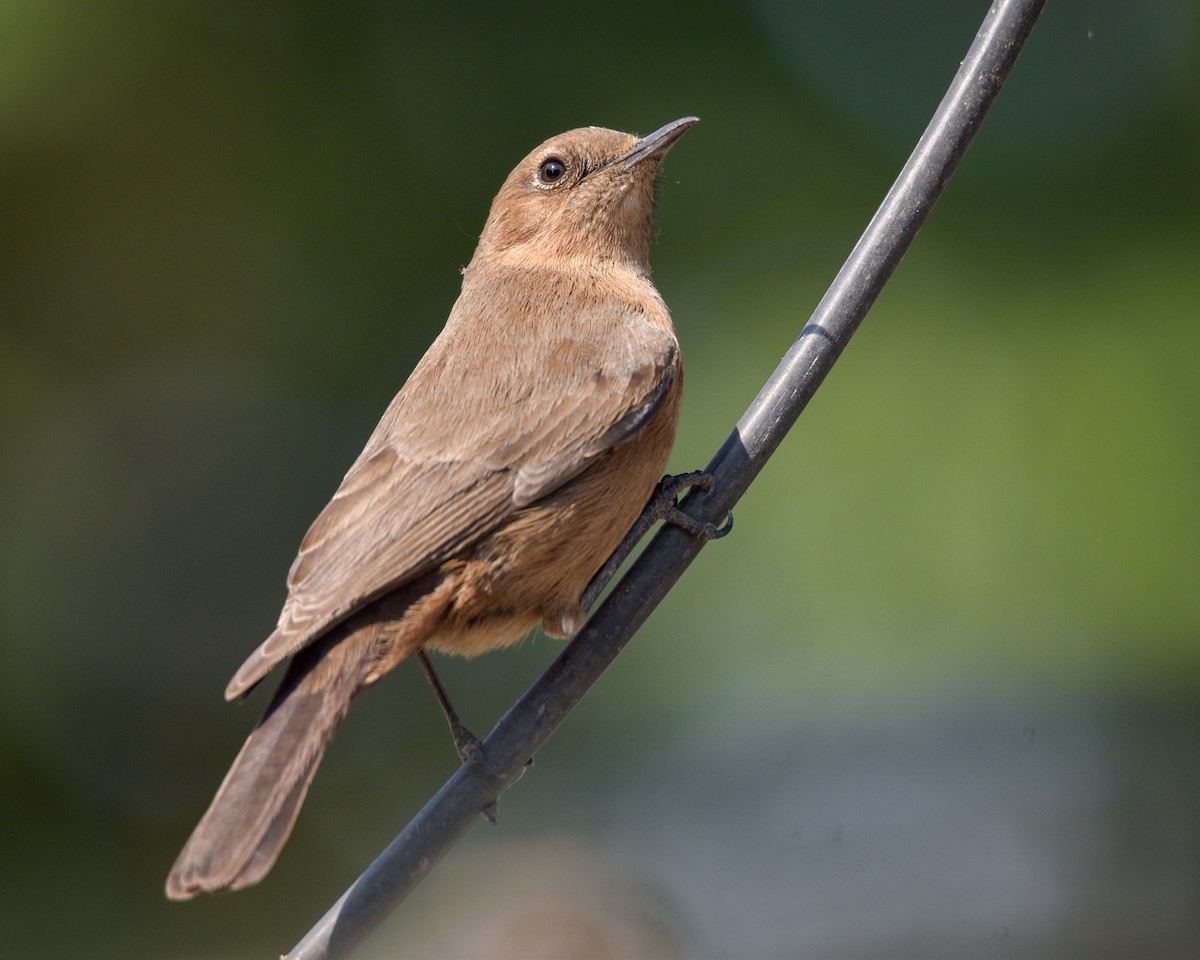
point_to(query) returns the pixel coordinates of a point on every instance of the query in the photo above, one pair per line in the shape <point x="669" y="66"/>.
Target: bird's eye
<point x="552" y="170"/>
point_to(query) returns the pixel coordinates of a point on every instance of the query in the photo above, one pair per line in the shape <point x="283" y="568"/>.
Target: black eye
<point x="552" y="170"/>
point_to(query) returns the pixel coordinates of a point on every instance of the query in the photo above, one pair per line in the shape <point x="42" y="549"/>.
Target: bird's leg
<point x="661" y="506"/>
<point x="465" y="742"/>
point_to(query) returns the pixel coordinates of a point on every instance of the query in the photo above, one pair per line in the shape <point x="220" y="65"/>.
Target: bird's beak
<point x="656" y="144"/>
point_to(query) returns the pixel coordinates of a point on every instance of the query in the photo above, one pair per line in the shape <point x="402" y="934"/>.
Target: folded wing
<point x="462" y="447"/>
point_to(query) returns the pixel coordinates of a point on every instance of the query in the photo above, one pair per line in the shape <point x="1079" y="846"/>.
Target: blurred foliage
<point x="954" y="638"/>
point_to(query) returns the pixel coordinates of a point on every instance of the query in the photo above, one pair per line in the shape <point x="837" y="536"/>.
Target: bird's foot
<point x="469" y="746"/>
<point x="661" y="506"/>
<point x="664" y="505"/>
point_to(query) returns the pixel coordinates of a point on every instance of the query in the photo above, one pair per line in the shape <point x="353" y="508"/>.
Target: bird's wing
<point x="463" y="446"/>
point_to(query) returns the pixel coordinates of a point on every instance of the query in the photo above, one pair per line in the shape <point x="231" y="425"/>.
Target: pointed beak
<point x="656" y="144"/>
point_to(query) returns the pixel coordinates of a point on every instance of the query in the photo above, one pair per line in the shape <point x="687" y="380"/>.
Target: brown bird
<point x="519" y="452"/>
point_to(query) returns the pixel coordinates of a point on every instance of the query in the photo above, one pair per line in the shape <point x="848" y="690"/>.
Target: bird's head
<point x="585" y="195"/>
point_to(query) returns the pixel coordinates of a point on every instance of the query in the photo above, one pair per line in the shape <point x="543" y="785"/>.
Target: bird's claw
<point x="469" y="747"/>
<point x="668" y="490"/>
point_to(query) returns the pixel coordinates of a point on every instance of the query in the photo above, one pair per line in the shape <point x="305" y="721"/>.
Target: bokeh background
<point x="936" y="697"/>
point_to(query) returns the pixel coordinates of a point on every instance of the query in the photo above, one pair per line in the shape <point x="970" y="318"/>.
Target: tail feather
<point x="237" y="840"/>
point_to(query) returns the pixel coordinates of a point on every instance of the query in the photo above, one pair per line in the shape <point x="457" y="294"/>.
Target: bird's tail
<point x="237" y="840"/>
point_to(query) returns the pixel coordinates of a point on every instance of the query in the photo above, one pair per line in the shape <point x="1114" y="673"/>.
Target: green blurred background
<point x="936" y="697"/>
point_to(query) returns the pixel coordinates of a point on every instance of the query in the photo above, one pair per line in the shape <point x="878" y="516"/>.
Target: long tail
<point x="237" y="840"/>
